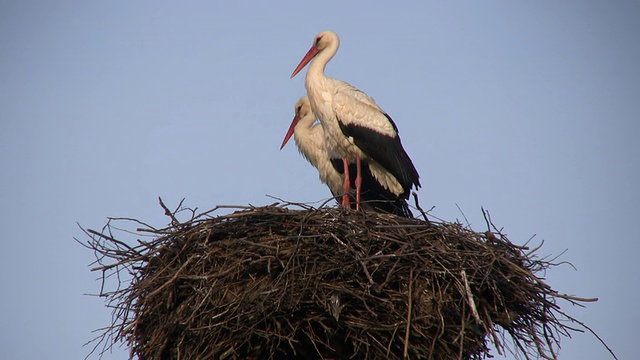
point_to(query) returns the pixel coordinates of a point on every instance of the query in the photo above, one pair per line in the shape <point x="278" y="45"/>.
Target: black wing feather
<point x="386" y="151"/>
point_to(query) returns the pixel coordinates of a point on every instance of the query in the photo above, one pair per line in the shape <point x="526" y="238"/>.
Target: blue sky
<point x="530" y="110"/>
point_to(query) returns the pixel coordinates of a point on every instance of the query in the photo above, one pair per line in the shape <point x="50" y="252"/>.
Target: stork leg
<point x="346" y="185"/>
<point x="358" y="181"/>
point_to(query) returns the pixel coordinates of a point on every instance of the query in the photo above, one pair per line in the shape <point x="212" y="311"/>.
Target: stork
<point x="310" y="140"/>
<point x="355" y="126"/>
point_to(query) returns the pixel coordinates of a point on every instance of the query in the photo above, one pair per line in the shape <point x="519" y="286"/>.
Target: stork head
<point x="321" y="42"/>
<point x="303" y="109"/>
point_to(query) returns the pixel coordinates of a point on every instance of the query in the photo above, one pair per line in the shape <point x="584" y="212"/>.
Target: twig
<point x="170" y="214"/>
<point x="424" y="215"/>
<point x="472" y="303"/>
<point x="405" y="351"/>
<point x="464" y="216"/>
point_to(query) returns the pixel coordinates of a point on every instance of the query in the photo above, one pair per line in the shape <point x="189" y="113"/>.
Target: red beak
<point x="295" y="121"/>
<point x="305" y="60"/>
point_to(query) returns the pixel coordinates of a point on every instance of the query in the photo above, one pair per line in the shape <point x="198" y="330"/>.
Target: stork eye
<point x="318" y="40"/>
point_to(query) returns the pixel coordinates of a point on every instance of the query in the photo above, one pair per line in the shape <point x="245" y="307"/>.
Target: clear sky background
<point x="529" y="109"/>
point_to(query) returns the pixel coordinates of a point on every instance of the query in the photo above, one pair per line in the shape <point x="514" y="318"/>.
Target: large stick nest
<point x="306" y="283"/>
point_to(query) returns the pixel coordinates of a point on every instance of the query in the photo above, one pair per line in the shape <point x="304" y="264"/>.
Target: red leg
<point x="358" y="181"/>
<point x="346" y="185"/>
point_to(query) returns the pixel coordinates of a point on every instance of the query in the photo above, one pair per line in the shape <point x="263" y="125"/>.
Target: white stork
<point x="355" y="126"/>
<point x="310" y="140"/>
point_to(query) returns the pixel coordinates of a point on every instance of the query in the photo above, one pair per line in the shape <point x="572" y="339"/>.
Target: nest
<point x="296" y="282"/>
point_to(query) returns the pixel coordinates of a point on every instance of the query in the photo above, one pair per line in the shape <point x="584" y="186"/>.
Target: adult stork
<point x="310" y="140"/>
<point x="355" y="126"/>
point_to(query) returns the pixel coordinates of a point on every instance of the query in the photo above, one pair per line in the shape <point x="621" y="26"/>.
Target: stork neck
<point x="306" y="123"/>
<point x="319" y="63"/>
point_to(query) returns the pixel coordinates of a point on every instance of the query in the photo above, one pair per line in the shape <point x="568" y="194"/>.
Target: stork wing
<point x="375" y="133"/>
<point x="353" y="107"/>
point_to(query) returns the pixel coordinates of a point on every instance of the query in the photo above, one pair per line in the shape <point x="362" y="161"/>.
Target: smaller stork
<point x="310" y="140"/>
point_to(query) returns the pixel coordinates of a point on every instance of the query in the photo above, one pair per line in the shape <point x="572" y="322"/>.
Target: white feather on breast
<point x="314" y="149"/>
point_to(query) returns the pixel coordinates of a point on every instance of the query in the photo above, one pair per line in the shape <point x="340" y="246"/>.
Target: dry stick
<point x="496" y="341"/>
<point x="366" y="272"/>
<point x="168" y="212"/>
<point x="464" y="216"/>
<point x="121" y="262"/>
<point x="484" y="214"/>
<point x="472" y="304"/>
<point x="386" y="280"/>
<point x="424" y="215"/>
<point x="592" y="332"/>
<point x="110" y="238"/>
<point x="409" y="305"/>
<point x="461" y="334"/>
<point x="118" y="218"/>
<point x="573" y="298"/>
<point x="487" y="216"/>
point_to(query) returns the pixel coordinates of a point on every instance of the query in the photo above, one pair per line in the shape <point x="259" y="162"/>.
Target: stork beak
<point x="295" y="121"/>
<point x="305" y="60"/>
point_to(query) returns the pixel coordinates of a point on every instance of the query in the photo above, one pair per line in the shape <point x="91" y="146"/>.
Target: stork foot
<point x="345" y="201"/>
